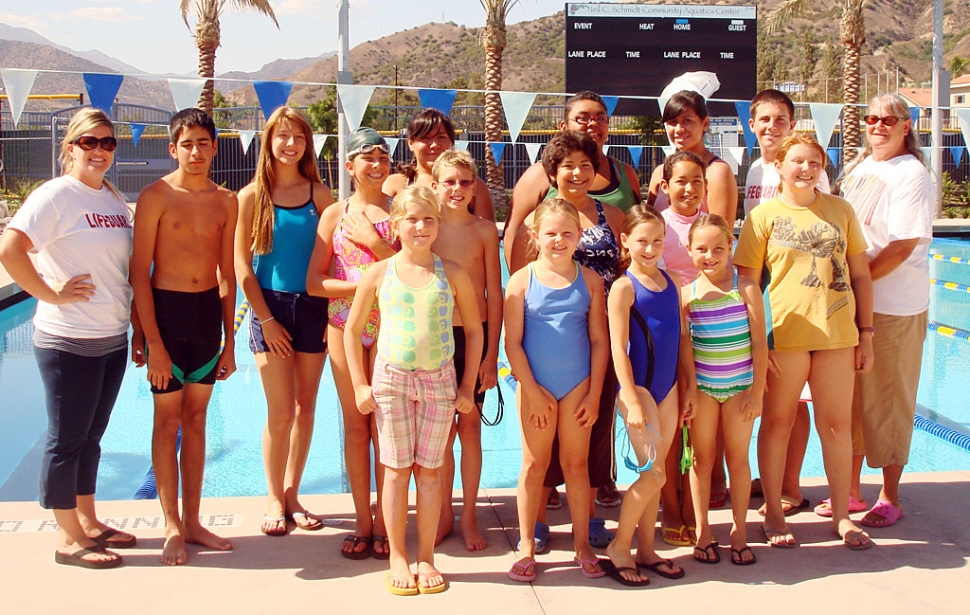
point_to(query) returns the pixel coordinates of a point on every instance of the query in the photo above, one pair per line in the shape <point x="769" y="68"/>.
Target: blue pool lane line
<point x="943" y="432"/>
<point x="505" y="373"/>
<point x="956" y="260"/>
<point x="948" y="331"/>
<point x="951" y="285"/>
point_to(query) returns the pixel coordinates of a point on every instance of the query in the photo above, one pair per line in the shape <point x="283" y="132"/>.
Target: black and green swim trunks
<point x="191" y="328"/>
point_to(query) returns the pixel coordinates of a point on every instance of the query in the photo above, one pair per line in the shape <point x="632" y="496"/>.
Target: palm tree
<point x="852" y="32"/>
<point x="493" y="40"/>
<point x="958" y="66"/>
<point x="208" y="34"/>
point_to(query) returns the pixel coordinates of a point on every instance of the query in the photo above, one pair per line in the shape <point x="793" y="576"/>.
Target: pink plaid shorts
<point x="415" y="411"/>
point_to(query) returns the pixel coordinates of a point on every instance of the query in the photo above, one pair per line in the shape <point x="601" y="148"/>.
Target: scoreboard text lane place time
<point x="637" y="49"/>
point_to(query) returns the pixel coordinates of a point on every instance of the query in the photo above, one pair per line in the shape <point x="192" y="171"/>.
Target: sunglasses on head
<point x="369" y="148"/>
<point x="88" y="143"/>
<point x="887" y="120"/>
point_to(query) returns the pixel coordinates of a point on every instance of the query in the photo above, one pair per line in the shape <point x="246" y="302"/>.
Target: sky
<point x="150" y="34"/>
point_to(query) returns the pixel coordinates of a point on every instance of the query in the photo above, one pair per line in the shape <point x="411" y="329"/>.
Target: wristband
<point x="263" y="321"/>
<point x="867" y="330"/>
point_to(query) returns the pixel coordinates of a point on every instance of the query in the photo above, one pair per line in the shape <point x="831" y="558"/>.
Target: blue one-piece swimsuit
<point x="654" y="337"/>
<point x="556" y="333"/>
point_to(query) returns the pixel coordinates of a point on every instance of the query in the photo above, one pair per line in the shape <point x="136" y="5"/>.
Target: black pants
<point x="80" y="392"/>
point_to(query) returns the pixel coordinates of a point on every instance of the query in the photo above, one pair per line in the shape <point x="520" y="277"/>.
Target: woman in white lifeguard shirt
<point x="892" y="194"/>
<point x="79" y="226"/>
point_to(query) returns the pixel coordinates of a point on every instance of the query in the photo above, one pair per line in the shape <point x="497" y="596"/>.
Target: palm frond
<point x="785" y="12"/>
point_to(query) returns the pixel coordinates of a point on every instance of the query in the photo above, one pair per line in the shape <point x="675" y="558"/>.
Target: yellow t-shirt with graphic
<point x="804" y="250"/>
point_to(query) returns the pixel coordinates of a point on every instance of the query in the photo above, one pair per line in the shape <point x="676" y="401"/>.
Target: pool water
<point x="237" y="415"/>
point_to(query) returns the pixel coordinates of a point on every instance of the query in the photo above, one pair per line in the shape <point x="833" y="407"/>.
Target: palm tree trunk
<point x="208" y="37"/>
<point x="493" y="124"/>
<point x="851" y="135"/>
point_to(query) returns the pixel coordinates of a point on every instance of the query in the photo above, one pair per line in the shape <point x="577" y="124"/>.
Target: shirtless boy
<point x="472" y="242"/>
<point x="184" y="283"/>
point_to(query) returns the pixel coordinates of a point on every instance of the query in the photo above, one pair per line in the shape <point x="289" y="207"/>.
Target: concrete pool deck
<point x="918" y="566"/>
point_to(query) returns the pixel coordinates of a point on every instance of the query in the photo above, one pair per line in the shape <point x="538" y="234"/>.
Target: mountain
<point x="278" y="69"/>
<point x="26" y="35"/>
<point x="18" y="54"/>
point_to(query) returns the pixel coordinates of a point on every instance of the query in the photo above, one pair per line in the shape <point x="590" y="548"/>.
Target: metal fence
<point x="28" y="152"/>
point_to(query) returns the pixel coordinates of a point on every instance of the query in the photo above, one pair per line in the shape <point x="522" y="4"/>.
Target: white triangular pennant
<point x="736" y="152"/>
<point x="318" y="142"/>
<point x="186" y="92"/>
<point x="461" y="146"/>
<point x="964" y="116"/>
<point x="392" y="145"/>
<point x="517" y="106"/>
<point x="662" y="103"/>
<point x="354" y="100"/>
<point x="927" y="153"/>
<point x="18" y="83"/>
<point x="246" y="139"/>
<point x="533" y="150"/>
<point x="668" y="149"/>
<point x="826" y="116"/>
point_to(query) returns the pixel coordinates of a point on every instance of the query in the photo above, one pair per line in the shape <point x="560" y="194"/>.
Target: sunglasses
<point x="108" y="144"/>
<point x="889" y="120"/>
<point x="452" y="183"/>
<point x="369" y="148"/>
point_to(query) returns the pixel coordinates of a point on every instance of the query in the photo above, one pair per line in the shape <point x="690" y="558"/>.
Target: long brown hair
<point x="423" y="123"/>
<point x="263" y="212"/>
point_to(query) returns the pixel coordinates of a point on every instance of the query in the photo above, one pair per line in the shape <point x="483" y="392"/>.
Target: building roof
<point x="921" y="97"/>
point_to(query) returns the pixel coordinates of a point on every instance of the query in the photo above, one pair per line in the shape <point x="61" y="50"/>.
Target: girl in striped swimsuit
<point x="727" y="333"/>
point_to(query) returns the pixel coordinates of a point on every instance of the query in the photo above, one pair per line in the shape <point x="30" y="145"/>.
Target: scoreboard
<point x="637" y="49"/>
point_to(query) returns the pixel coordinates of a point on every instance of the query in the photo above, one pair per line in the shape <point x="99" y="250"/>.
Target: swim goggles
<point x="686" y="454"/>
<point x="651" y="453"/>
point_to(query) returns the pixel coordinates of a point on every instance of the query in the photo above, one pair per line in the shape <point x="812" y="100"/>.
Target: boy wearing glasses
<point x="472" y="242"/>
<point x="184" y="283"/>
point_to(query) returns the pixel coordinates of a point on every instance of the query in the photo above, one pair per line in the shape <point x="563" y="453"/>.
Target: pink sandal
<point x="824" y="508"/>
<point x="590" y="568"/>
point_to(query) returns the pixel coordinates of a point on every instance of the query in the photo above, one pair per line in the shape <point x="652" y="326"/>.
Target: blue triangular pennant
<point x="497" y="149"/>
<point x="914" y="115"/>
<point x="744" y="116"/>
<point x="611" y="102"/>
<point x="636" y="151"/>
<point x="442" y="100"/>
<point x="272" y="95"/>
<point x="833" y="153"/>
<point x="136" y="131"/>
<point x="102" y="89"/>
<point x="957" y="152"/>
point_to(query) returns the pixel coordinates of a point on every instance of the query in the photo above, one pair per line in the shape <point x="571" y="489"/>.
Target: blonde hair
<point x="799" y="138"/>
<point x="543" y="211"/>
<point x="263" y="211"/>
<point x="85" y="120"/>
<point x="635" y="216"/>
<point x="413" y="194"/>
<point x="454" y="158"/>
<point x="714" y="220"/>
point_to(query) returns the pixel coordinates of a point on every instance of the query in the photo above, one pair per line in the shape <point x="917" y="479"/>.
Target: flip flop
<point x="554" y="502"/>
<point x="680" y="541"/>
<point x="104" y="540"/>
<point x="385" y="552"/>
<point x="276" y="529"/>
<point x="397" y="591"/>
<point x="737" y="557"/>
<point x="424" y="588"/>
<point x="77" y="559"/>
<point x="354" y="554"/>
<point x="717" y="500"/>
<point x="708" y="556"/>
<point x="861" y="546"/>
<point x="887" y="514"/>
<point x="790" y="506"/>
<point x="768" y="534"/>
<point x="824" y="508"/>
<point x="527" y="568"/>
<point x="655" y="567"/>
<point x="608" y="496"/>
<point x="310" y="523"/>
<point x="616" y="574"/>
<point x="590" y="573"/>
<point x="599" y="536"/>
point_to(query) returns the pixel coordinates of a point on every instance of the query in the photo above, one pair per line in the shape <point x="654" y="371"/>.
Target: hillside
<point x="35" y="56"/>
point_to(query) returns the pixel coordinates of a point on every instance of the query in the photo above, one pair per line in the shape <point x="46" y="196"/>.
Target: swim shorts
<point x="190" y="325"/>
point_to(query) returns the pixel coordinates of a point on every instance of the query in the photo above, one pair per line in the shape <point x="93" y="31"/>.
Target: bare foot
<point x="400" y="576"/>
<point x="200" y="536"/>
<point x="429" y="578"/>
<point x="853" y="537"/>
<point x="445" y="527"/>
<point x="782" y="538"/>
<point x="474" y="540"/>
<point x="174" y="553"/>
<point x="625" y="564"/>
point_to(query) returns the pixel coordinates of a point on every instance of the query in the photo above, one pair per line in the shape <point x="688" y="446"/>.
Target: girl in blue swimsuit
<point x="556" y="341"/>
<point x="649" y="346"/>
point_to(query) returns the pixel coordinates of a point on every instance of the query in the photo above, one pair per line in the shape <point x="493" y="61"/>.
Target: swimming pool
<point x="237" y="415"/>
